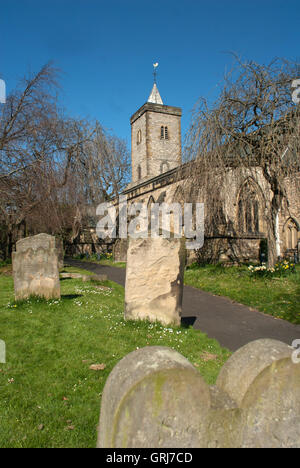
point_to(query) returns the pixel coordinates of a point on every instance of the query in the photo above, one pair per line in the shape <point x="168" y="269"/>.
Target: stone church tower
<point x="155" y="138"/>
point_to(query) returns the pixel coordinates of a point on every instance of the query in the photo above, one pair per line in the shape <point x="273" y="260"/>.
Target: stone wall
<point x="150" y="152"/>
<point x="88" y="243"/>
<point x="163" y="150"/>
<point x="229" y="250"/>
<point x="229" y="238"/>
<point x="139" y="150"/>
<point x="154" y="397"/>
<point x="290" y="214"/>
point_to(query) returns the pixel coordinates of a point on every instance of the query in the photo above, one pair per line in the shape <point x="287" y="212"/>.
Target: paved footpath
<point x="232" y="325"/>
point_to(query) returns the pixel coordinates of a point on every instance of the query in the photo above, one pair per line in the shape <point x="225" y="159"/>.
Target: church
<point x="158" y="176"/>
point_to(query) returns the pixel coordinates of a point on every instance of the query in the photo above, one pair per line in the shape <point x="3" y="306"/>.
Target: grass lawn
<point x="49" y="395"/>
<point x="110" y="262"/>
<point x="279" y="297"/>
<point x="103" y="261"/>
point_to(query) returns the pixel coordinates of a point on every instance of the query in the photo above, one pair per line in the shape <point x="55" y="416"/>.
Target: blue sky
<point x="106" y="49"/>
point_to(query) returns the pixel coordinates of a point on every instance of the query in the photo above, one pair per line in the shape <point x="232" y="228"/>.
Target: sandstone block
<point x="85" y="278"/>
<point x="99" y="278"/>
<point x="154" y="280"/>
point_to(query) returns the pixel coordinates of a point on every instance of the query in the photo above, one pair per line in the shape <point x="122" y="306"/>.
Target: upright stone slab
<point x="154" y="280"/>
<point x="120" y="250"/>
<point x="35" y="268"/>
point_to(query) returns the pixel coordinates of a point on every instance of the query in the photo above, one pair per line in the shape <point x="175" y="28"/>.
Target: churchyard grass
<point x="107" y="261"/>
<point x="49" y="395"/>
<point x="279" y="297"/>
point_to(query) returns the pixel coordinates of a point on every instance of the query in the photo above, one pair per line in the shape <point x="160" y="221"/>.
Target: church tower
<point x="155" y="138"/>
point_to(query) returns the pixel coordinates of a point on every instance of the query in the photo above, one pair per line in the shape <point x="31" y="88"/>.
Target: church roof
<point x="155" y="96"/>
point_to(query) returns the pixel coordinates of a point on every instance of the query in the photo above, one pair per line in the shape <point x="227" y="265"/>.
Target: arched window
<point x="139" y="172"/>
<point x="164" y="167"/>
<point x="139" y="137"/>
<point x="248" y="210"/>
<point x="164" y="133"/>
<point x="151" y="217"/>
<point x="291" y="234"/>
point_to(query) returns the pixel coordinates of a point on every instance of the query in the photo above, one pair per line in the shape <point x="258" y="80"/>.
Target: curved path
<point x="232" y="325"/>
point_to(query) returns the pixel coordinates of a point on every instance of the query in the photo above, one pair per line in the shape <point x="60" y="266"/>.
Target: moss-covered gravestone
<point x="147" y="401"/>
<point x="155" y="398"/>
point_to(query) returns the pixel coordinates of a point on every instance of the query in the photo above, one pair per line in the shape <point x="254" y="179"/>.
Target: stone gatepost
<point x="154" y="280"/>
<point x="35" y="268"/>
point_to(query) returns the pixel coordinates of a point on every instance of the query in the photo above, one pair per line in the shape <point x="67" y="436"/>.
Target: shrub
<point x="5" y="262"/>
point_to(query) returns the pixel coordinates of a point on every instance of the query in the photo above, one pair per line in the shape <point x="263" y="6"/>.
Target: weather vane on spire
<point x="155" y="96"/>
<point x="155" y="65"/>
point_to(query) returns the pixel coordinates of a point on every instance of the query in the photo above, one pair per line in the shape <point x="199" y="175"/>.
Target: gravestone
<point x="35" y="268"/>
<point x="154" y="280"/>
<point x="146" y="401"/>
<point x="85" y="278"/>
<point x="155" y="398"/>
<point x="60" y="252"/>
<point x="99" y="278"/>
<point x="120" y="250"/>
<point x="264" y="382"/>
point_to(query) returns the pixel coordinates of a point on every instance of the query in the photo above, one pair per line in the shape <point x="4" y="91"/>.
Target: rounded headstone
<point x="154" y="397"/>
<point x="263" y="380"/>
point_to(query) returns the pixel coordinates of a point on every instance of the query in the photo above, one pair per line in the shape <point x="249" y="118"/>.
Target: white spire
<point x="155" y="96"/>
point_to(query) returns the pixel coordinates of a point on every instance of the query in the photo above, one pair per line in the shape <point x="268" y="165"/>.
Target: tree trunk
<point x="9" y="244"/>
<point x="273" y="229"/>
<point x="272" y="257"/>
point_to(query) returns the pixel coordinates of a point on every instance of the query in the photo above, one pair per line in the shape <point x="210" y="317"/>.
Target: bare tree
<point x="23" y="117"/>
<point x="251" y="131"/>
<point x="100" y="173"/>
<point x="37" y="147"/>
<point x="102" y="167"/>
<point x="53" y="169"/>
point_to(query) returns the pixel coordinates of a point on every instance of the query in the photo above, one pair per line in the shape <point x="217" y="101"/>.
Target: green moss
<point x="159" y="380"/>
